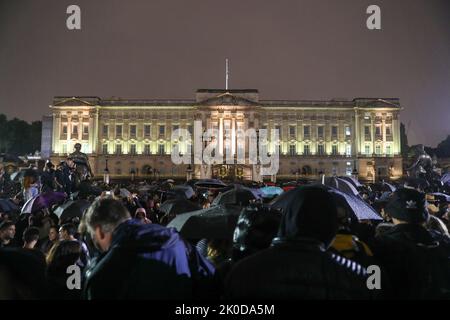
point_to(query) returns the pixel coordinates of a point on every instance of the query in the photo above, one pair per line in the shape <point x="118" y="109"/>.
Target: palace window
<point x="105" y="148"/>
<point x="334" y="131"/>
<point x="74" y="129"/>
<point x="348" y="150"/>
<point x="388" y="130"/>
<point x="292" y="150"/>
<point x="334" y="150"/>
<point x="367" y="149"/>
<point x="378" y="131"/>
<point x="367" y="133"/>
<point x="306" y="131"/>
<point x="320" y="150"/>
<point x="348" y="131"/>
<point x="388" y="149"/>
<point x="118" y="149"/>
<point x="162" y="130"/>
<point x="64" y="128"/>
<point x="133" y="131"/>
<point x="147" y="130"/>
<point x="377" y="149"/>
<point x="161" y="149"/>
<point x="118" y="131"/>
<point x="105" y="130"/>
<point x="292" y="131"/>
<point x="132" y="149"/>
<point x="306" y="150"/>
<point x="147" y="149"/>
<point x="85" y="129"/>
<point x="320" y="131"/>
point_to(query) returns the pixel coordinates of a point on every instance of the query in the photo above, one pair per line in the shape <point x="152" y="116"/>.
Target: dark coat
<point x="300" y="270"/>
<point x="148" y="261"/>
<point x="416" y="260"/>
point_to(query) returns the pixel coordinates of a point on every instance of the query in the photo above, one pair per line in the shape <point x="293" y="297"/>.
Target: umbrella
<point x="442" y="197"/>
<point x="7" y="205"/>
<point x="210" y="183"/>
<point x="355" y="206"/>
<point x="43" y="200"/>
<point x="341" y="185"/>
<point x="271" y="191"/>
<point x="73" y="210"/>
<point x="445" y="179"/>
<point x="389" y="187"/>
<point x="352" y="180"/>
<point x="183" y="192"/>
<point x="124" y="193"/>
<point x="18" y="175"/>
<point x="178" y="206"/>
<point x="217" y="222"/>
<point x="239" y="196"/>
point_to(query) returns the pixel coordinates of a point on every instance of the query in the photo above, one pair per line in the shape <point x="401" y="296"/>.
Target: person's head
<point x="30" y="237"/>
<point x="140" y="214"/>
<point x="309" y="213"/>
<point x="49" y="166"/>
<point x="53" y="233"/>
<point x="67" y="231"/>
<point x="102" y="218"/>
<point x="77" y="146"/>
<point x="62" y="255"/>
<point x="255" y="229"/>
<point x="7" y="230"/>
<point x="407" y="206"/>
<point x="69" y="162"/>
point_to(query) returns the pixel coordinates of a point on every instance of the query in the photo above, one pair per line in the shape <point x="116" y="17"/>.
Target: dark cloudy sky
<point x="288" y="49"/>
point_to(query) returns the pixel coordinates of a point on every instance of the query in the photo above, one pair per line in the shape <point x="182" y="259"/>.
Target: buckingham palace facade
<point x="133" y="137"/>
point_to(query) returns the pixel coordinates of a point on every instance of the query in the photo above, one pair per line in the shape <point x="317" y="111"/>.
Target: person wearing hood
<point x="141" y="261"/>
<point x="416" y="260"/>
<point x="297" y="265"/>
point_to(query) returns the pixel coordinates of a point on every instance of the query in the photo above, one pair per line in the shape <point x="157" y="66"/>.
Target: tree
<point x="443" y="148"/>
<point x="17" y="137"/>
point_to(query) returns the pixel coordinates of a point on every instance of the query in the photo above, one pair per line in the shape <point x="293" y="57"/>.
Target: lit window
<point x="64" y="128"/>
<point x="367" y="149"/>
<point x="334" y="131"/>
<point x="75" y="129"/>
<point x="348" y="131"/>
<point x="133" y="149"/>
<point x="161" y="149"/>
<point x="105" y="149"/>
<point x="320" y="131"/>
<point x="378" y="149"/>
<point x="320" y="150"/>
<point x="306" y="150"/>
<point x="292" y="150"/>
<point x="118" y="149"/>
<point x="388" y="150"/>
<point x="348" y="150"/>
<point x="306" y="130"/>
<point x="147" y="149"/>
<point x="85" y="129"/>
<point x="162" y="130"/>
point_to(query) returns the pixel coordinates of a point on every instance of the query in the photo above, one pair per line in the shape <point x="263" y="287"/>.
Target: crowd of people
<point x="304" y="243"/>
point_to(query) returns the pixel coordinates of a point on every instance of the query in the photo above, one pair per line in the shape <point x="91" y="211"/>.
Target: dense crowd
<point x="205" y="239"/>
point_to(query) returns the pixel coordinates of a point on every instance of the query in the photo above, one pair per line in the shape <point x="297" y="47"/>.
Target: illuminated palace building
<point x="338" y="137"/>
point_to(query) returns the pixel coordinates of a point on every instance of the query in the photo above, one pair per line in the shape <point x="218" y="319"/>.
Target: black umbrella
<point x="72" y="209"/>
<point x="239" y="196"/>
<point x="341" y="185"/>
<point x="181" y="192"/>
<point x="7" y="205"/>
<point x="178" y="206"/>
<point x="216" y="222"/>
<point x="210" y="183"/>
<point x="355" y="206"/>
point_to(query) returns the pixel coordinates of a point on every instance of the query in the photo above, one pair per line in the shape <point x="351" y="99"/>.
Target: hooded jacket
<point x="416" y="260"/>
<point x="297" y="265"/>
<point x="148" y="261"/>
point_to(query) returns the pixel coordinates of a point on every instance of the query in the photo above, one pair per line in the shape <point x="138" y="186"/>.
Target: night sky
<point x="288" y="49"/>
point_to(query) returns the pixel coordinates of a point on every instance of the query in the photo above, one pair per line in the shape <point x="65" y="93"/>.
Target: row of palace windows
<point x="320" y="130"/>
<point x="75" y="128"/>
<point x="147" y="130"/>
